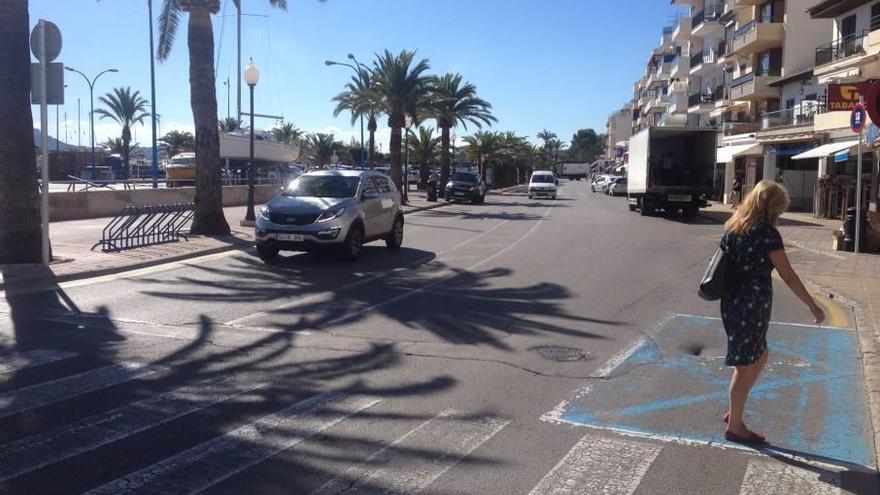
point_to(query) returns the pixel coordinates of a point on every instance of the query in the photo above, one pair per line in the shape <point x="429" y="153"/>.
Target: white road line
<point x="450" y="436"/>
<point x="32" y="453"/>
<point x="763" y="477"/>
<point x="38" y="357"/>
<point x="599" y="465"/>
<point x="216" y="460"/>
<point x="42" y="394"/>
<point x="329" y="295"/>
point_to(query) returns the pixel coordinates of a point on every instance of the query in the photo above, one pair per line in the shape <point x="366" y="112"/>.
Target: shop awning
<point x="728" y="153"/>
<point x="826" y="150"/>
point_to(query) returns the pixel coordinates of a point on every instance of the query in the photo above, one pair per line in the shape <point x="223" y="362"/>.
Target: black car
<point x="465" y="186"/>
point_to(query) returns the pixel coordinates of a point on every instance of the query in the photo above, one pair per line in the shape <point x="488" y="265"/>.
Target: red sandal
<point x="752" y="437"/>
<point x="726" y="417"/>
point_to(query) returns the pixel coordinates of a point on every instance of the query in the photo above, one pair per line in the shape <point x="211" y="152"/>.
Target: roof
<point x="828" y="9"/>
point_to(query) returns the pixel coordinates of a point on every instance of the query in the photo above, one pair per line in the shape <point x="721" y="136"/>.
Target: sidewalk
<point x="852" y="280"/>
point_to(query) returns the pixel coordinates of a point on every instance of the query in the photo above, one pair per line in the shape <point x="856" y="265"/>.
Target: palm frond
<point x="169" y="18"/>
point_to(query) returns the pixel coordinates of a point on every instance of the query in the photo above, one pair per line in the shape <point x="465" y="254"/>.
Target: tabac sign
<point x="843" y="97"/>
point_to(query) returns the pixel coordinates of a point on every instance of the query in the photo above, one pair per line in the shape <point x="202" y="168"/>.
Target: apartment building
<point x="618" y="131"/>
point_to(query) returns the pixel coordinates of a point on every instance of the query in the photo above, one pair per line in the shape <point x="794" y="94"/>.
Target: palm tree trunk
<point x="371" y="126"/>
<point x="20" y="234"/>
<point x="423" y="175"/>
<point x="444" y="155"/>
<point x="395" y="157"/>
<point x="208" y="218"/>
<point x="126" y="140"/>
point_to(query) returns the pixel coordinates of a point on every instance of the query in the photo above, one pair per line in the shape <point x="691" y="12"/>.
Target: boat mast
<point x="238" y="67"/>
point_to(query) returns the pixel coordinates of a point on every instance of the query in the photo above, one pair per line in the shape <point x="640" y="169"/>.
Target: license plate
<point x="680" y="198"/>
<point x="290" y="237"/>
<point x="459" y="194"/>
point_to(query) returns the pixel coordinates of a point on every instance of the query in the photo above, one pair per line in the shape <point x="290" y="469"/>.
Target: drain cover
<point x="559" y="354"/>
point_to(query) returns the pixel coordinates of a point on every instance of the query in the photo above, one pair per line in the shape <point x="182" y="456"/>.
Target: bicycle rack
<point x="139" y="226"/>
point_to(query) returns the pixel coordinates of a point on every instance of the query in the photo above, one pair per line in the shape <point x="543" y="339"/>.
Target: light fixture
<point x="251" y="74"/>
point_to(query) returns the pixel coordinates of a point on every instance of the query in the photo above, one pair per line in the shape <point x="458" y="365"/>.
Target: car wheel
<point x="394" y="239"/>
<point x="266" y="252"/>
<point x="632" y="207"/>
<point x="354" y="243"/>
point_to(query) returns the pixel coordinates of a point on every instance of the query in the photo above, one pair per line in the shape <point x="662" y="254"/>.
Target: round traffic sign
<point x="53" y="40"/>
<point x="858" y="117"/>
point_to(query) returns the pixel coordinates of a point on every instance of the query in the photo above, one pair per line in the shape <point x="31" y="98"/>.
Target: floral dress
<point x="746" y="307"/>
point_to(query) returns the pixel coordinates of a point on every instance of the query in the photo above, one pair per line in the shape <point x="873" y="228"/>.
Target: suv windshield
<point x="543" y="178"/>
<point x="464" y="177"/>
<point x="324" y="186"/>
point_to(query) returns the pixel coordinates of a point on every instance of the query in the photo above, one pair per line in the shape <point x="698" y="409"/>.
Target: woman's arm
<point x="788" y="275"/>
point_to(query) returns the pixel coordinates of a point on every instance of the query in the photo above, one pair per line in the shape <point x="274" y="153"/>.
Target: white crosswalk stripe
<point x="450" y="434"/>
<point x="599" y="465"/>
<point x="27" y="359"/>
<point x="778" y="478"/>
<point x="218" y="459"/>
<point x="42" y="394"/>
<point x="34" y="452"/>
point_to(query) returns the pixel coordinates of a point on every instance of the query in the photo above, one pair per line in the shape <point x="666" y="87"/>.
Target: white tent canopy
<point x="726" y="154"/>
<point x="826" y="150"/>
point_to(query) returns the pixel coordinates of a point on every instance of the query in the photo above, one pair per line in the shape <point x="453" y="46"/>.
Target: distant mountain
<point x="56" y="144"/>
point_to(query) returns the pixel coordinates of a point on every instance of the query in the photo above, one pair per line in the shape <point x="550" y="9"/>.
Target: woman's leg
<point x="744" y="377"/>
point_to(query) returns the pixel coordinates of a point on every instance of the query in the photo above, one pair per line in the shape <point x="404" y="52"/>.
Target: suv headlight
<point x="264" y="212"/>
<point x="331" y="214"/>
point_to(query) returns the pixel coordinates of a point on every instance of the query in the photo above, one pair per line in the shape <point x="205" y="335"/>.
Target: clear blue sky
<point x="556" y="64"/>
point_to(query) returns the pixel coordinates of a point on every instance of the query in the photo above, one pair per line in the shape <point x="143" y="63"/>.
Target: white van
<point x="543" y="184"/>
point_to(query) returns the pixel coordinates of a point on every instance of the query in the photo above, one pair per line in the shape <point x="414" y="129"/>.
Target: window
<point x="789" y="103"/>
<point x="383" y="184"/>
<point x="773" y="11"/>
<point x="875" y="16"/>
<point x="848" y="27"/>
<point x="770" y="63"/>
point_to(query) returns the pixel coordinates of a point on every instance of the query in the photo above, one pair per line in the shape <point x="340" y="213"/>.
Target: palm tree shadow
<point x="852" y="478"/>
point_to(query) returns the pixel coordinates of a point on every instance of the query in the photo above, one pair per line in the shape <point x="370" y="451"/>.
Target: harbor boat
<point x="235" y="146"/>
<point x="181" y="170"/>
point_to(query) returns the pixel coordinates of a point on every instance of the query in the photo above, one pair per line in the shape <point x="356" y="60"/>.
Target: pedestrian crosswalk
<point x="414" y="459"/>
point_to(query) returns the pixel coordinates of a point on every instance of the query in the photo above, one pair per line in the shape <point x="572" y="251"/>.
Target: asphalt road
<point x="411" y="371"/>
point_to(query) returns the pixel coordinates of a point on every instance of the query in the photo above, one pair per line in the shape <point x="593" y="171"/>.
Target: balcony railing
<point x="845" y="47"/>
<point x="696" y="59"/>
<point x="801" y="115"/>
<point x="739" y="81"/>
<point x="740" y="127"/>
<point x="711" y="13"/>
<point x="696" y="99"/>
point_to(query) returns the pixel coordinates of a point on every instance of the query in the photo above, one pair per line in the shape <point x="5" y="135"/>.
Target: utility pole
<point x="78" y="125"/>
<point x="238" y="45"/>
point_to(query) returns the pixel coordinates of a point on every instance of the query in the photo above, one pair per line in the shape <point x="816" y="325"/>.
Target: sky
<point x="562" y="65"/>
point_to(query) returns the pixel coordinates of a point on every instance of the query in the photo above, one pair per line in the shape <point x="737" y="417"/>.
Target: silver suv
<point x="339" y="209"/>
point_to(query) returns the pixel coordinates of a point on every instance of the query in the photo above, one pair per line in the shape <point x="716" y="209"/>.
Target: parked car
<point x="331" y="209"/>
<point x="543" y="183"/>
<point x="465" y="186"/>
<point x="617" y="186"/>
<point x="599" y="182"/>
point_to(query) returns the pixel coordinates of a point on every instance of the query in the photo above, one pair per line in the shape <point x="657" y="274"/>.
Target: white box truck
<point x="671" y="169"/>
<point x="574" y="171"/>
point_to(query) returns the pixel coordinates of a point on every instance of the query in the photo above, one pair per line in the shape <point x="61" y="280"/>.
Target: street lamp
<point x="453" y="136"/>
<point x="251" y="77"/>
<point x="408" y="120"/>
<point x="357" y="71"/>
<point x="92" y="112"/>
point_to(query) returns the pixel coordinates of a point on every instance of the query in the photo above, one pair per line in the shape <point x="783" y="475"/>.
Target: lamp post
<point x="452" y="136"/>
<point x="251" y="77"/>
<point x="92" y="110"/>
<point x="154" y="163"/>
<point x="408" y="120"/>
<point x="357" y="71"/>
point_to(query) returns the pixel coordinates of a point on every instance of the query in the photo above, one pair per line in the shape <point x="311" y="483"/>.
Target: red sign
<point x="843" y="97"/>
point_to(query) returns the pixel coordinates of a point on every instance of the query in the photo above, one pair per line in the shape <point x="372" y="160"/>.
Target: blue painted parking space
<point x="810" y="399"/>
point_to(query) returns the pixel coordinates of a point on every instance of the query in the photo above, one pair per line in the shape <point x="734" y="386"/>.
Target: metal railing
<point x="696" y="59"/>
<point x="710" y="13"/>
<point x="139" y="226"/>
<point x="842" y="48"/>
<point x="802" y="115"/>
<point x="744" y="79"/>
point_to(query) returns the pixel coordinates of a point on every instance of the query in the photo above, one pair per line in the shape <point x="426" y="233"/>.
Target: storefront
<point x="743" y="160"/>
<point x="799" y="177"/>
<point x="835" y="172"/>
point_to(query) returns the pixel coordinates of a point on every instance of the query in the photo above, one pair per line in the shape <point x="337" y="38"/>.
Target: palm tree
<point x="208" y="217"/>
<point x="126" y="109"/>
<point x="546" y="136"/>
<point x="179" y="141"/>
<point x="423" y="148"/>
<point x="360" y="99"/>
<point x="455" y="103"/>
<point x="20" y="233"/>
<point x="230" y="124"/>
<point x="402" y="89"/>
<point x="321" y="147"/>
<point x="287" y="133"/>
<point x="483" y="148"/>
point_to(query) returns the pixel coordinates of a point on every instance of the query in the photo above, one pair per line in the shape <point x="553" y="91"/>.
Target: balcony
<point x="680" y="66"/>
<point x="846" y="47"/>
<point x="740" y="127"/>
<point x="678" y="86"/>
<point x="754" y="86"/>
<point x="757" y="36"/>
<point x="802" y="115"/>
<point x="700" y="103"/>
<point x="682" y="31"/>
<point x="673" y="120"/>
<point x="705" y="22"/>
<point x="747" y="3"/>
<point x="704" y="62"/>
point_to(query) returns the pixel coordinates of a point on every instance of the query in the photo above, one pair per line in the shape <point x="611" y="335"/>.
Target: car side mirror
<point x="369" y="194"/>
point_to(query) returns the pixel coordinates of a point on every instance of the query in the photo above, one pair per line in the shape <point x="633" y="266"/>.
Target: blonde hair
<point x="766" y="203"/>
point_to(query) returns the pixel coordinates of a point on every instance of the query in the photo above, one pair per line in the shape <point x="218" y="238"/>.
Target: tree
<point x="20" y="232"/>
<point x="453" y="103"/>
<point x="116" y="145"/>
<point x="423" y="149"/>
<point x="179" y="141"/>
<point x="360" y="99"/>
<point x="546" y="136"/>
<point x="586" y="146"/>
<point x="483" y="148"/>
<point x="287" y="133"/>
<point x="230" y="124"/>
<point x="126" y="109"/>
<point x="402" y="89"/>
<point x="320" y="148"/>
<point x="208" y="217"/>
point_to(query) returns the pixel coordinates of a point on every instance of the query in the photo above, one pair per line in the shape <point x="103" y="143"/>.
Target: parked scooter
<point x="432" y="188"/>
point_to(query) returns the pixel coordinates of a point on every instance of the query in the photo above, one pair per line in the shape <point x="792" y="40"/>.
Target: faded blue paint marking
<point x="810" y="399"/>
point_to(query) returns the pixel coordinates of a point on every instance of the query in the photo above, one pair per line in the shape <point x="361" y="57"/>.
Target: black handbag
<point x="715" y="281"/>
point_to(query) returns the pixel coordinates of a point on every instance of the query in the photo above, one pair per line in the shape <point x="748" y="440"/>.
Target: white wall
<point x="863" y="20"/>
<point x="803" y="35"/>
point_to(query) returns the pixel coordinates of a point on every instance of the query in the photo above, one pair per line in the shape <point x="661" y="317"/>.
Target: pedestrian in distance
<point x="754" y="247"/>
<point x="737" y="189"/>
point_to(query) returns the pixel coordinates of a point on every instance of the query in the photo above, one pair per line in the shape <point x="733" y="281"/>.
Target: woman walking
<point x="755" y="248"/>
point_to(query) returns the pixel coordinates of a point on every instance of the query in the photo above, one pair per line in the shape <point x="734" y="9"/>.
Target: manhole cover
<point x="560" y="354"/>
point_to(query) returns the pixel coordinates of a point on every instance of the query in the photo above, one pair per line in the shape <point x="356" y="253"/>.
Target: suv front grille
<point x="293" y="219"/>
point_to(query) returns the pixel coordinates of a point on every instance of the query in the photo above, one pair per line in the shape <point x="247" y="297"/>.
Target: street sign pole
<point x="859" y="181"/>
<point x="44" y="144"/>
